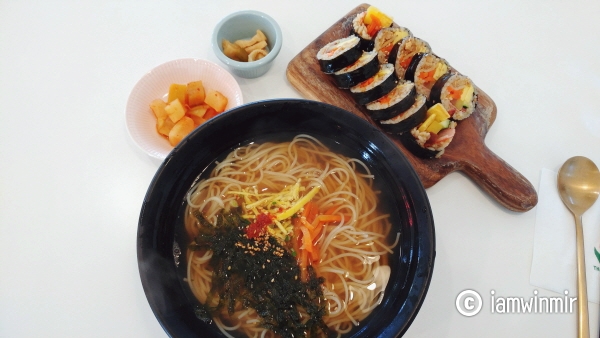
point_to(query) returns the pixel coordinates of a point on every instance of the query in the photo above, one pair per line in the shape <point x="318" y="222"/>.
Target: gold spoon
<point x="579" y="187"/>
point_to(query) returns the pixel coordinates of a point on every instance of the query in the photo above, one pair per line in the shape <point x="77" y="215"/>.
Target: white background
<point x="72" y="181"/>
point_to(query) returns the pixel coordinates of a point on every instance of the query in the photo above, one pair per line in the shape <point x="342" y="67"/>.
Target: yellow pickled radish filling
<point x="465" y="98"/>
<point x="373" y="12"/>
<point x="437" y="119"/>
<point x="439" y="111"/>
<point x="399" y="35"/>
<point x="440" y="69"/>
<point x="425" y="125"/>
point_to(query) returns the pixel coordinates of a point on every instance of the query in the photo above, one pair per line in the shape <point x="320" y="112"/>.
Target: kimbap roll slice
<point x="430" y="138"/>
<point x="400" y="99"/>
<point x="457" y="93"/>
<point x="386" y="39"/>
<point x="404" y="51"/>
<point x="407" y="119"/>
<point x="365" y="67"/>
<point x="367" y="24"/>
<point x="376" y="86"/>
<point x="339" y="54"/>
<point x="424" y="70"/>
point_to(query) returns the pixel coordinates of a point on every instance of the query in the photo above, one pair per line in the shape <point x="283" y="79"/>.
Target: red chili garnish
<point x="255" y="229"/>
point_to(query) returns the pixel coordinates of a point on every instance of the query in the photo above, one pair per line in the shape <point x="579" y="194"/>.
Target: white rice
<point x="420" y="136"/>
<point x="340" y="46"/>
<point x="359" y="26"/>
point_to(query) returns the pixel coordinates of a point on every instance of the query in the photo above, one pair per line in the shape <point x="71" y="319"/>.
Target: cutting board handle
<point x="499" y="179"/>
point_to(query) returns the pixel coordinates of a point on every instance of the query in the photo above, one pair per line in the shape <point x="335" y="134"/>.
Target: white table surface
<point x="72" y="181"/>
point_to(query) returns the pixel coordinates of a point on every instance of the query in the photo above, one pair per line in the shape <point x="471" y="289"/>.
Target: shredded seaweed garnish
<point x="259" y="273"/>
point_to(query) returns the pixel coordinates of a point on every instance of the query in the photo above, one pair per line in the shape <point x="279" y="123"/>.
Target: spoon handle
<point x="583" y="327"/>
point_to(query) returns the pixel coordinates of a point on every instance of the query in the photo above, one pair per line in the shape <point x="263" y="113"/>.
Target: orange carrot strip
<point x="328" y="219"/>
<point x="306" y="210"/>
<point x="314" y="210"/>
<point x="366" y="82"/>
<point x="387" y="49"/>
<point x="314" y="256"/>
<point x="385" y="99"/>
<point x="310" y="211"/>
<point x="454" y="93"/>
<point x="374" y="26"/>
<point x="320" y="221"/>
<point x="316" y="231"/>
<point x="427" y="76"/>
<point x="306" y="239"/>
<point x="405" y="62"/>
<point x="307" y="225"/>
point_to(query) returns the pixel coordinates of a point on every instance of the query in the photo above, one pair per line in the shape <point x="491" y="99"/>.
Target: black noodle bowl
<point x="162" y="239"/>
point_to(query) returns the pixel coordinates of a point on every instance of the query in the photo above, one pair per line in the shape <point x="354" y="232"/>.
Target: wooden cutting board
<point x="467" y="152"/>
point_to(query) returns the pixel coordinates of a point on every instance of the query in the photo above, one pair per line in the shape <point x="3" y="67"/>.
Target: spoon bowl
<point x="579" y="186"/>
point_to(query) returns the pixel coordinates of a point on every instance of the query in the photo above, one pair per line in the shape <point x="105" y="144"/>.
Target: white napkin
<point x="554" y="264"/>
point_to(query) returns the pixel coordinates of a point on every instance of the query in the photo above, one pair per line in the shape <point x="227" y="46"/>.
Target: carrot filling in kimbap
<point x="367" y="24"/>
<point x="374" y="26"/>
<point x="458" y="96"/>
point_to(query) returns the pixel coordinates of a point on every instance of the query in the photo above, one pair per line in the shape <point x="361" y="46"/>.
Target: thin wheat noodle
<point x="350" y="251"/>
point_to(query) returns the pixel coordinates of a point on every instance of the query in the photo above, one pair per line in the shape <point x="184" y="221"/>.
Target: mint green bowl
<point x="243" y="25"/>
